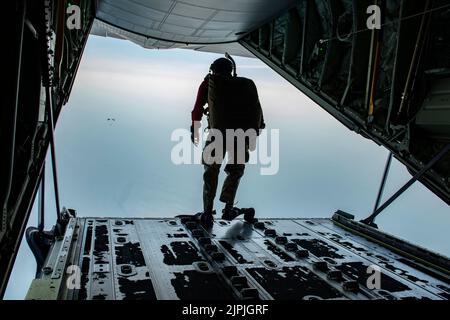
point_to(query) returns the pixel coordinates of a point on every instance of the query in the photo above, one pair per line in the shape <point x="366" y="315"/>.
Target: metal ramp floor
<point x="287" y="259"/>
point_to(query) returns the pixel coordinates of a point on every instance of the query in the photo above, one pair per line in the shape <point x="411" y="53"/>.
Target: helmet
<point x="222" y="66"/>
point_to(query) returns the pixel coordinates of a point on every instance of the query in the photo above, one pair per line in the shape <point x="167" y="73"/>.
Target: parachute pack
<point x="233" y="103"/>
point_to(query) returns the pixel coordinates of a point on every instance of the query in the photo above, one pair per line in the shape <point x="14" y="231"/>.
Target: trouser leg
<point x="234" y="171"/>
<point x="230" y="185"/>
<point x="211" y="162"/>
<point x="210" y="179"/>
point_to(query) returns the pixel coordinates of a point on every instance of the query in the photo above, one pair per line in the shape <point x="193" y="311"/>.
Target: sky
<point x="123" y="168"/>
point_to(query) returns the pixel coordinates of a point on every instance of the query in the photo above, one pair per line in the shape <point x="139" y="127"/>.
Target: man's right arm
<point x="262" y="124"/>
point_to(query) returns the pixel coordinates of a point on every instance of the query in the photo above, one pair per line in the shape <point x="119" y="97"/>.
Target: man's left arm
<point x="197" y="112"/>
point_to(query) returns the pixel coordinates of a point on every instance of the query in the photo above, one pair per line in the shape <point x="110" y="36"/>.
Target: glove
<point x="261" y="127"/>
<point x="195" y="135"/>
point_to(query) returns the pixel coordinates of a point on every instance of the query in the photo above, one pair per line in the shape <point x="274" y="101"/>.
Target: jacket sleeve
<point x="202" y="99"/>
<point x="262" y="124"/>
